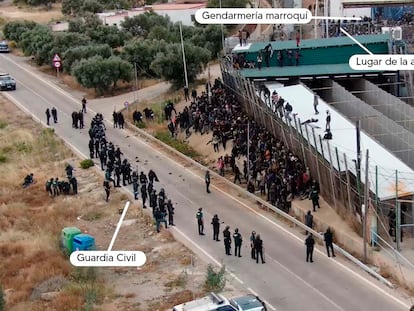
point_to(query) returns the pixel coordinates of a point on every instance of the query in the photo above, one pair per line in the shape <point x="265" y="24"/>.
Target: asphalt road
<point x="286" y="281"/>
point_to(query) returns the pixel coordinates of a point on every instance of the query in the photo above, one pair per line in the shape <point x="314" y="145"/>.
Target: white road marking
<point x="44" y="99"/>
<point x="306" y="283"/>
<point x="356" y="275"/>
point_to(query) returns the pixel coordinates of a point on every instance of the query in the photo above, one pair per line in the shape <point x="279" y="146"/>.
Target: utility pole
<point x="315" y="20"/>
<point x="209" y="86"/>
<point x="222" y="35"/>
<point x="136" y="82"/>
<point x="358" y="161"/>
<point x="366" y="206"/>
<point x="182" y="47"/>
<point x="248" y="151"/>
<point x="326" y="11"/>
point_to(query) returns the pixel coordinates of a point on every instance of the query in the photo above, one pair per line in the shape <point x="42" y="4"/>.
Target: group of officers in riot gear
<point x="256" y="243"/>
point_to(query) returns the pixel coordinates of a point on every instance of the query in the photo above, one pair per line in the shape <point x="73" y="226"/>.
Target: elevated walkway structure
<point x="372" y="3"/>
<point x="386" y="131"/>
<point x="389" y="105"/>
<point x="318" y="57"/>
<point x="307" y="72"/>
<point x="343" y="131"/>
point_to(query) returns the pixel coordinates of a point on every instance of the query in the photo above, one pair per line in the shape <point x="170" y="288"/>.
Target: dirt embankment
<point x="34" y="273"/>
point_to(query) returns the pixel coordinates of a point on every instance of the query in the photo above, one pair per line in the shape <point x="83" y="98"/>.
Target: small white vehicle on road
<point x="217" y="302"/>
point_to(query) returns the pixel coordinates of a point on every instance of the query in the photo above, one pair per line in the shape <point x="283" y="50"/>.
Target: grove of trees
<point x="99" y="56"/>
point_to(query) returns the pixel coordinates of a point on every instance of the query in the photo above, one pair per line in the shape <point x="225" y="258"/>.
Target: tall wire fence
<point x="329" y="164"/>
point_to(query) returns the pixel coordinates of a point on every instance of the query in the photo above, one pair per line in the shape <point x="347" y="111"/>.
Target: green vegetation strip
<point x="177" y="144"/>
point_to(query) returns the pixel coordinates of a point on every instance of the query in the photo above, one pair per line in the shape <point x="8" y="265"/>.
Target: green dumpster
<point x="66" y="239"/>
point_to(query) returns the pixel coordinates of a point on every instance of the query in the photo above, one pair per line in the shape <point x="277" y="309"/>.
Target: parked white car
<point x="217" y="302"/>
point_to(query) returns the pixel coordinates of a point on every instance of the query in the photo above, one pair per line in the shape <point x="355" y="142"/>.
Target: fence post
<point x="339" y="175"/>
<point x="301" y="139"/>
<point x="317" y="155"/>
<point x="323" y="153"/>
<point x="331" y="172"/>
<point x="348" y="185"/>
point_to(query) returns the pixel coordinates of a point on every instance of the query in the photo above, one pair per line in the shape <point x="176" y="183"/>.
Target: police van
<point x="217" y="302"/>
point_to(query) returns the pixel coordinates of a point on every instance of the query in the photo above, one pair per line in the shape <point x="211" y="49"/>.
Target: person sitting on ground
<point x="328" y="135"/>
<point x="28" y="180"/>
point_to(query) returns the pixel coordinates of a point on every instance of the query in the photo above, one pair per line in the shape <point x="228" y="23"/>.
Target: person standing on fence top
<point x="315" y="103"/>
<point x="288" y="110"/>
<point x="328" y="237"/>
<point x="328" y="121"/>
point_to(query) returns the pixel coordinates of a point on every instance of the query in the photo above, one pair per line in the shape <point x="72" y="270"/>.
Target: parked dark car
<point x="4" y="47"/>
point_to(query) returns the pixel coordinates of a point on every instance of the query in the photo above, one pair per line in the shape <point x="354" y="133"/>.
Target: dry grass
<point x="71" y="82"/>
<point x="31" y="221"/>
<point x="169" y="301"/>
<point x="130" y="295"/>
<point x="36" y="14"/>
<point x="185" y="260"/>
<point x="177" y="281"/>
<point x="122" y="87"/>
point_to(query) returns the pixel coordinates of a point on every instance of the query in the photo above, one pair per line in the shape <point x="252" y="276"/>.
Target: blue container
<point x="83" y="242"/>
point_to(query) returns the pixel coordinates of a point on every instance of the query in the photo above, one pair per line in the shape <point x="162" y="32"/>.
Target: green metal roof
<point x="315" y="43"/>
<point x="303" y="71"/>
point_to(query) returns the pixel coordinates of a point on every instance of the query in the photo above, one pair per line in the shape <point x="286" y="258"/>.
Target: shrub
<point x="178" y="145"/>
<point x="23" y="147"/>
<point x="140" y="124"/>
<point x="86" y="163"/>
<point x="3" y="158"/>
<point x="3" y="125"/>
<point x="12" y="44"/>
<point x="2" y="299"/>
<point x="215" y="281"/>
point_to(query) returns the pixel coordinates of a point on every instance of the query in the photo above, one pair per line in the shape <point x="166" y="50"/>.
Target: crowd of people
<point x="289" y="57"/>
<point x="119" y="172"/>
<point x="271" y="169"/>
<point x="256" y="243"/>
<point x="118" y="119"/>
<point x="77" y="119"/>
<point x="51" y="113"/>
<point x="55" y="186"/>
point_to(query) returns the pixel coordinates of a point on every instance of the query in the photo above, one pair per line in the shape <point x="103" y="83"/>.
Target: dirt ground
<point x="31" y="223"/>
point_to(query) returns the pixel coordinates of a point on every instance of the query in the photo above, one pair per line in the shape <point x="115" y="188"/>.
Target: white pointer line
<point x="337" y="18"/>
<point x="118" y="226"/>
<point x="353" y="39"/>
